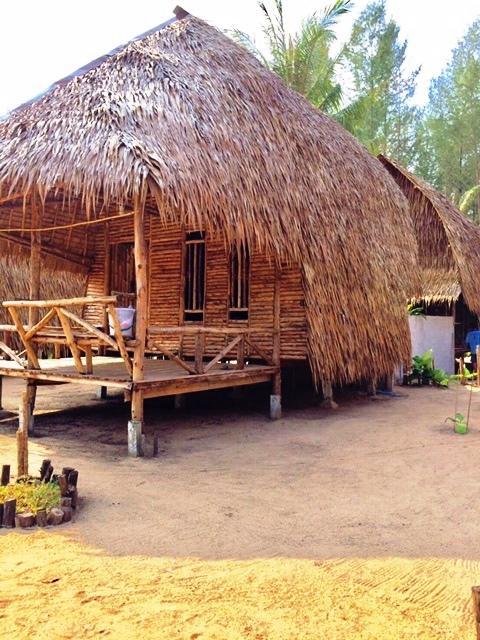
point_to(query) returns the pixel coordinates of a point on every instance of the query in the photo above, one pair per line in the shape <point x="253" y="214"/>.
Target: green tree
<point x="452" y="125"/>
<point x="303" y="59"/>
<point x="376" y="63"/>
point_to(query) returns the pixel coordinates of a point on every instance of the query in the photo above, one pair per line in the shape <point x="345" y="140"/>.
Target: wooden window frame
<point x="239" y="313"/>
<point x="196" y="315"/>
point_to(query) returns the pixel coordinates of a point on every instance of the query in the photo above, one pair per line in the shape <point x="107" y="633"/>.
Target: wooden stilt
<point x="136" y="438"/>
<point x="35" y="260"/>
<point x="328" y="402"/>
<point x="476" y="609"/>
<point x="22" y="436"/>
<point x="276" y="396"/>
<point x="135" y="427"/>
<point x="372" y="387"/>
<point x="101" y="393"/>
<point x="1" y="393"/>
<point x="179" y="401"/>
<point x="388" y="383"/>
<point x="31" y="398"/>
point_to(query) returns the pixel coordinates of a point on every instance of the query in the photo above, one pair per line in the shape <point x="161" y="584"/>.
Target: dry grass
<point x="30" y="496"/>
<point x="448" y="243"/>
<point x="46" y="575"/>
<point x="195" y="127"/>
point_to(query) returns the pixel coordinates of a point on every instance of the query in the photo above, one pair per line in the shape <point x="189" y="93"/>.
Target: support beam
<point x="31" y="398"/>
<point x="101" y="393"/>
<point x="327" y="392"/>
<point x="1" y="393"/>
<point x="276" y="396"/>
<point x="33" y="314"/>
<point x="135" y="427"/>
<point x="22" y="436"/>
<point x="35" y="260"/>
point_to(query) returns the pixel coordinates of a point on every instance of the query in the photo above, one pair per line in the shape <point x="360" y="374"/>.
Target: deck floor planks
<point x="164" y="374"/>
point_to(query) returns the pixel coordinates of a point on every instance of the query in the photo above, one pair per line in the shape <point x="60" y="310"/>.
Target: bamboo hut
<point x="187" y="181"/>
<point x="449" y="259"/>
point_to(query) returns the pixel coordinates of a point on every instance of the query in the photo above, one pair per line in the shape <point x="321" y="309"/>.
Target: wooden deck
<point x="161" y="377"/>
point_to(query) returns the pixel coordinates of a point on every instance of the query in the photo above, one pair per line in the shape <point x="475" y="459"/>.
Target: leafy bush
<point x="424" y="371"/>
<point x="31" y="496"/>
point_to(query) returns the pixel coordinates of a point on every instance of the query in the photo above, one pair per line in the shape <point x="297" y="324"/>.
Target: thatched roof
<point x="448" y="242"/>
<point x="188" y="119"/>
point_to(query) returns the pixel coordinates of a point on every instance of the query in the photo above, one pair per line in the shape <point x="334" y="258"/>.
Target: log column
<point x="328" y="402"/>
<point x="136" y="437"/>
<point x="276" y="396"/>
<point x="33" y="312"/>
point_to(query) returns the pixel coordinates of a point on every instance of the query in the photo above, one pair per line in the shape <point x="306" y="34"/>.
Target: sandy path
<point x="61" y="590"/>
<point x="257" y="504"/>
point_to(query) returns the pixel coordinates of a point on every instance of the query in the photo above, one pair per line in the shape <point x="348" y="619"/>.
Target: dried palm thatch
<point x="187" y="118"/>
<point x="448" y="243"/>
<point x="15" y="283"/>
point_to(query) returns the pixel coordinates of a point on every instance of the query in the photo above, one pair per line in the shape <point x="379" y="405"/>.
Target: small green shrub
<point x="424" y="372"/>
<point x="31" y="496"/>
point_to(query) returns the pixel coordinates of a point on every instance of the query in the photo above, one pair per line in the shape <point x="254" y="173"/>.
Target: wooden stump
<point x="42" y="518"/>
<point x="9" y="508"/>
<point x="74" y="498"/>
<point x="25" y="520"/>
<point x="1" y="514"/>
<point x="22" y="436"/>
<point x="44" y="469"/>
<point x="5" y="479"/>
<point x="63" y="484"/>
<point x="55" y="516"/>
<point x="67" y="514"/>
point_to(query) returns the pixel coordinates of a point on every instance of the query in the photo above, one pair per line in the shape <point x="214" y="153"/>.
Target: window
<point x="194" y="295"/>
<point x="122" y="273"/>
<point x="239" y="283"/>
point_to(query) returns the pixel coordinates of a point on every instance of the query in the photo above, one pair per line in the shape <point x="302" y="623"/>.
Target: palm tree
<point x="303" y="59"/>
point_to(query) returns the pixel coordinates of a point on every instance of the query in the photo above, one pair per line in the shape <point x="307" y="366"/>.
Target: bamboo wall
<point x="165" y="248"/>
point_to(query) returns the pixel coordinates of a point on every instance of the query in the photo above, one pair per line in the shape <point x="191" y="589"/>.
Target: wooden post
<point x="22" y="436"/>
<point x="5" y="478"/>
<point x="1" y="392"/>
<point x="101" y="393"/>
<point x="33" y="313"/>
<point x="461" y="366"/>
<point x="199" y="350"/>
<point x="35" y="260"/>
<point x="328" y="402"/>
<point x="9" y="509"/>
<point x="476" y="609"/>
<point x="276" y="396"/>
<point x="31" y="397"/>
<point x="135" y="426"/>
<point x="88" y="359"/>
<point x="477" y="353"/>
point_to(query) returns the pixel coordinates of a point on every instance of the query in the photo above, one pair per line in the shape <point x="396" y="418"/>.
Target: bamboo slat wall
<point x="166" y="246"/>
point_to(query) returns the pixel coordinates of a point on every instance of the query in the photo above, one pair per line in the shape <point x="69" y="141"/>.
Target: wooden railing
<point x="238" y="340"/>
<point x="73" y="331"/>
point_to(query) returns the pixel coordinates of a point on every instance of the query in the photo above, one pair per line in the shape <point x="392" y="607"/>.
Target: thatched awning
<point x="187" y="119"/>
<point x="448" y="243"/>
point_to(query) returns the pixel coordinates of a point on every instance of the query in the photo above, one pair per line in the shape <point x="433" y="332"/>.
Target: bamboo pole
<point x="135" y="427"/>
<point x="33" y="313"/>
<point x="276" y="396"/>
<point x="22" y="436"/>
<point x="35" y="260"/>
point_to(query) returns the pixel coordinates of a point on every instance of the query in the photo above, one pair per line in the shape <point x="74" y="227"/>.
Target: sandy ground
<point x="354" y="524"/>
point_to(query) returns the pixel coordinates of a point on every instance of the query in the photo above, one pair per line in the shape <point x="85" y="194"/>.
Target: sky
<point x="44" y="40"/>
